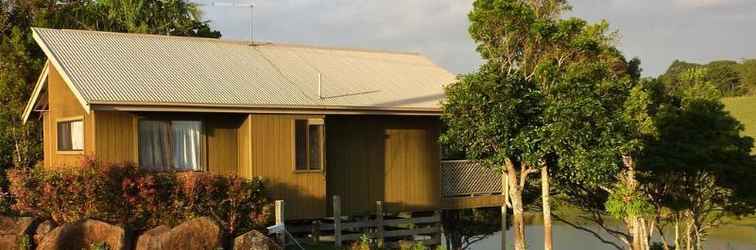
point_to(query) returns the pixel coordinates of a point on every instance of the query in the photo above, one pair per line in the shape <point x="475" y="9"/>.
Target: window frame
<point x="309" y="122"/>
<point x="83" y="135"/>
<point x="170" y="119"/>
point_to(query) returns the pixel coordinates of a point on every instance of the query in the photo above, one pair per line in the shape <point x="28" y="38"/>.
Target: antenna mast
<point x="251" y="7"/>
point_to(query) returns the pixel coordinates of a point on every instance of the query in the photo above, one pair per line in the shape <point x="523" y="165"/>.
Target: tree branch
<point x="588" y="230"/>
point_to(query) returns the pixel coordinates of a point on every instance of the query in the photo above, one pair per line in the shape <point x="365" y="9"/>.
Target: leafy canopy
<point x="552" y="89"/>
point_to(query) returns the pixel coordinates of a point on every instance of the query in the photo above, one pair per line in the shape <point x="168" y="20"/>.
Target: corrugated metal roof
<point x="119" y="68"/>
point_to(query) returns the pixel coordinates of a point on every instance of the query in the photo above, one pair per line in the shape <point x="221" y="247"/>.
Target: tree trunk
<point x="687" y="237"/>
<point x="677" y="233"/>
<point x="518" y="219"/>
<point x="632" y="222"/>
<point x="547" y="226"/>
<point x="505" y="193"/>
<point x="518" y="210"/>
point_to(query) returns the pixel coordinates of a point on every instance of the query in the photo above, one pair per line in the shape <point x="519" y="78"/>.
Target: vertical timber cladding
<point x="393" y="159"/>
<point x="117" y="138"/>
<point x="271" y="156"/>
<point x="64" y="105"/>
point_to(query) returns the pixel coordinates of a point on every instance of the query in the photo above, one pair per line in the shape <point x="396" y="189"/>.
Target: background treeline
<point x="732" y="78"/>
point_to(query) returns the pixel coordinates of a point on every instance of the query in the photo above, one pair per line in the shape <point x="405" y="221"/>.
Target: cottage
<point x="314" y="122"/>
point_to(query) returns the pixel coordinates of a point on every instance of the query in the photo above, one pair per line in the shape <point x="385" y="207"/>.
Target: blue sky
<point x="656" y="31"/>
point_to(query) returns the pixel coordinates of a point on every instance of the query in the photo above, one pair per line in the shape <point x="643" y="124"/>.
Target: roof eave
<point x="52" y="59"/>
<point x="280" y="109"/>
<point x="41" y="80"/>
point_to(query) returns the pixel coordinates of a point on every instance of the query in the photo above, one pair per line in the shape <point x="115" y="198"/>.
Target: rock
<point x="200" y="234"/>
<point x="254" y="240"/>
<point x="83" y="234"/>
<point x="42" y="230"/>
<point x="12" y="230"/>
<point x="153" y="238"/>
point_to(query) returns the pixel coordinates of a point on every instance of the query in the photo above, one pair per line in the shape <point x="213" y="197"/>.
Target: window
<point x="71" y="135"/>
<point x="309" y="144"/>
<point x="171" y="145"/>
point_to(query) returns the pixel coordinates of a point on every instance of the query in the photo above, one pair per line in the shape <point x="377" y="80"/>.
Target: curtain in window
<point x="186" y="145"/>
<point x="154" y="145"/>
<point x="64" y="136"/>
<point x="77" y="135"/>
<point x="314" y="135"/>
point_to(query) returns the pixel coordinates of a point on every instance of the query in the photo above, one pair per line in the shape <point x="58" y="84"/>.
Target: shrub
<point x="124" y="194"/>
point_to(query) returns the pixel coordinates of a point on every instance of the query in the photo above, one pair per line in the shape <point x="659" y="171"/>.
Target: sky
<point x="656" y="31"/>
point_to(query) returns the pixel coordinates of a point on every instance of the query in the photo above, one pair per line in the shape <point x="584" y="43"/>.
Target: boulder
<point x="200" y="234"/>
<point x="153" y="238"/>
<point x="42" y="230"/>
<point x="254" y="240"/>
<point x="12" y="230"/>
<point x="83" y="234"/>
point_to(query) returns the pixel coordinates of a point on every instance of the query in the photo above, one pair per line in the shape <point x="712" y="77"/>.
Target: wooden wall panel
<point x="244" y="143"/>
<point x="63" y="104"/>
<point x="222" y="144"/>
<point x="272" y="157"/>
<point x="116" y="137"/>
<point x="393" y="159"/>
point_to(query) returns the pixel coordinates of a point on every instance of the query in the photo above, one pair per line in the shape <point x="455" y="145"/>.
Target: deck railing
<point x="468" y="178"/>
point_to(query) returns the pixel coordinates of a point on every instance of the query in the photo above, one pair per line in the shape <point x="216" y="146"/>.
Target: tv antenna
<point x="249" y="5"/>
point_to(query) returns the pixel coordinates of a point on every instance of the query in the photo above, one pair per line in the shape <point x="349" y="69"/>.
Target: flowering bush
<point x="124" y="194"/>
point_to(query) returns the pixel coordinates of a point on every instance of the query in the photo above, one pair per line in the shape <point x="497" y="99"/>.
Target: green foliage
<point x="530" y="102"/>
<point x="702" y="153"/>
<point x="742" y="108"/>
<point x="123" y="194"/>
<point x="624" y="203"/>
<point x="730" y="78"/>
<point x="99" y="246"/>
<point x="493" y="116"/>
<point x="24" y="242"/>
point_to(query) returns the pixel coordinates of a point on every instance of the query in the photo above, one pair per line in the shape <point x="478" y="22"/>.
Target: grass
<point x="744" y="109"/>
<point x="740" y="230"/>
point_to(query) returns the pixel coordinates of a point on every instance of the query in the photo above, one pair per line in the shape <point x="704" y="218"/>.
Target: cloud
<point x="657" y="31"/>
<point x="705" y="3"/>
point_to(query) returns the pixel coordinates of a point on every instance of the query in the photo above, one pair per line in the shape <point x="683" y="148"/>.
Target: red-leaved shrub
<point x="124" y="194"/>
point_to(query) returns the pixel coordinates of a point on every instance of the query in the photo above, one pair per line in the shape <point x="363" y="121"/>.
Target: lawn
<point x="744" y="109"/>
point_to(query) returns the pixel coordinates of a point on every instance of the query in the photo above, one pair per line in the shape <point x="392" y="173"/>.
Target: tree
<point x="730" y="77"/>
<point x="512" y="112"/>
<point x="695" y="169"/>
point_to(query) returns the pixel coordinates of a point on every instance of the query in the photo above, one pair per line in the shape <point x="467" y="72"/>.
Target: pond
<point x="741" y="235"/>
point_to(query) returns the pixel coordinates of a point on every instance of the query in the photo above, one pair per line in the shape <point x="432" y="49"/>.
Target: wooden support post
<point x="436" y="237"/>
<point x="505" y="193"/>
<point x="379" y="224"/>
<point x="280" y="220"/>
<point x="316" y="231"/>
<point x="337" y="220"/>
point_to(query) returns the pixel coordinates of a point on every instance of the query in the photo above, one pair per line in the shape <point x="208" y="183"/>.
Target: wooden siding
<point x="62" y="105"/>
<point x="244" y="144"/>
<point x="116" y="137"/>
<point x="272" y="157"/>
<point x="393" y="159"/>
<point x="222" y="145"/>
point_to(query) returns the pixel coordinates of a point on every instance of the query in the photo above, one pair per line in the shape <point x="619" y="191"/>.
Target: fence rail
<point x="381" y="229"/>
<point x="468" y="178"/>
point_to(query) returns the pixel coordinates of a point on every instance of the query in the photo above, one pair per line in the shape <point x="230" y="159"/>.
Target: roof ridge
<point x="237" y="42"/>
